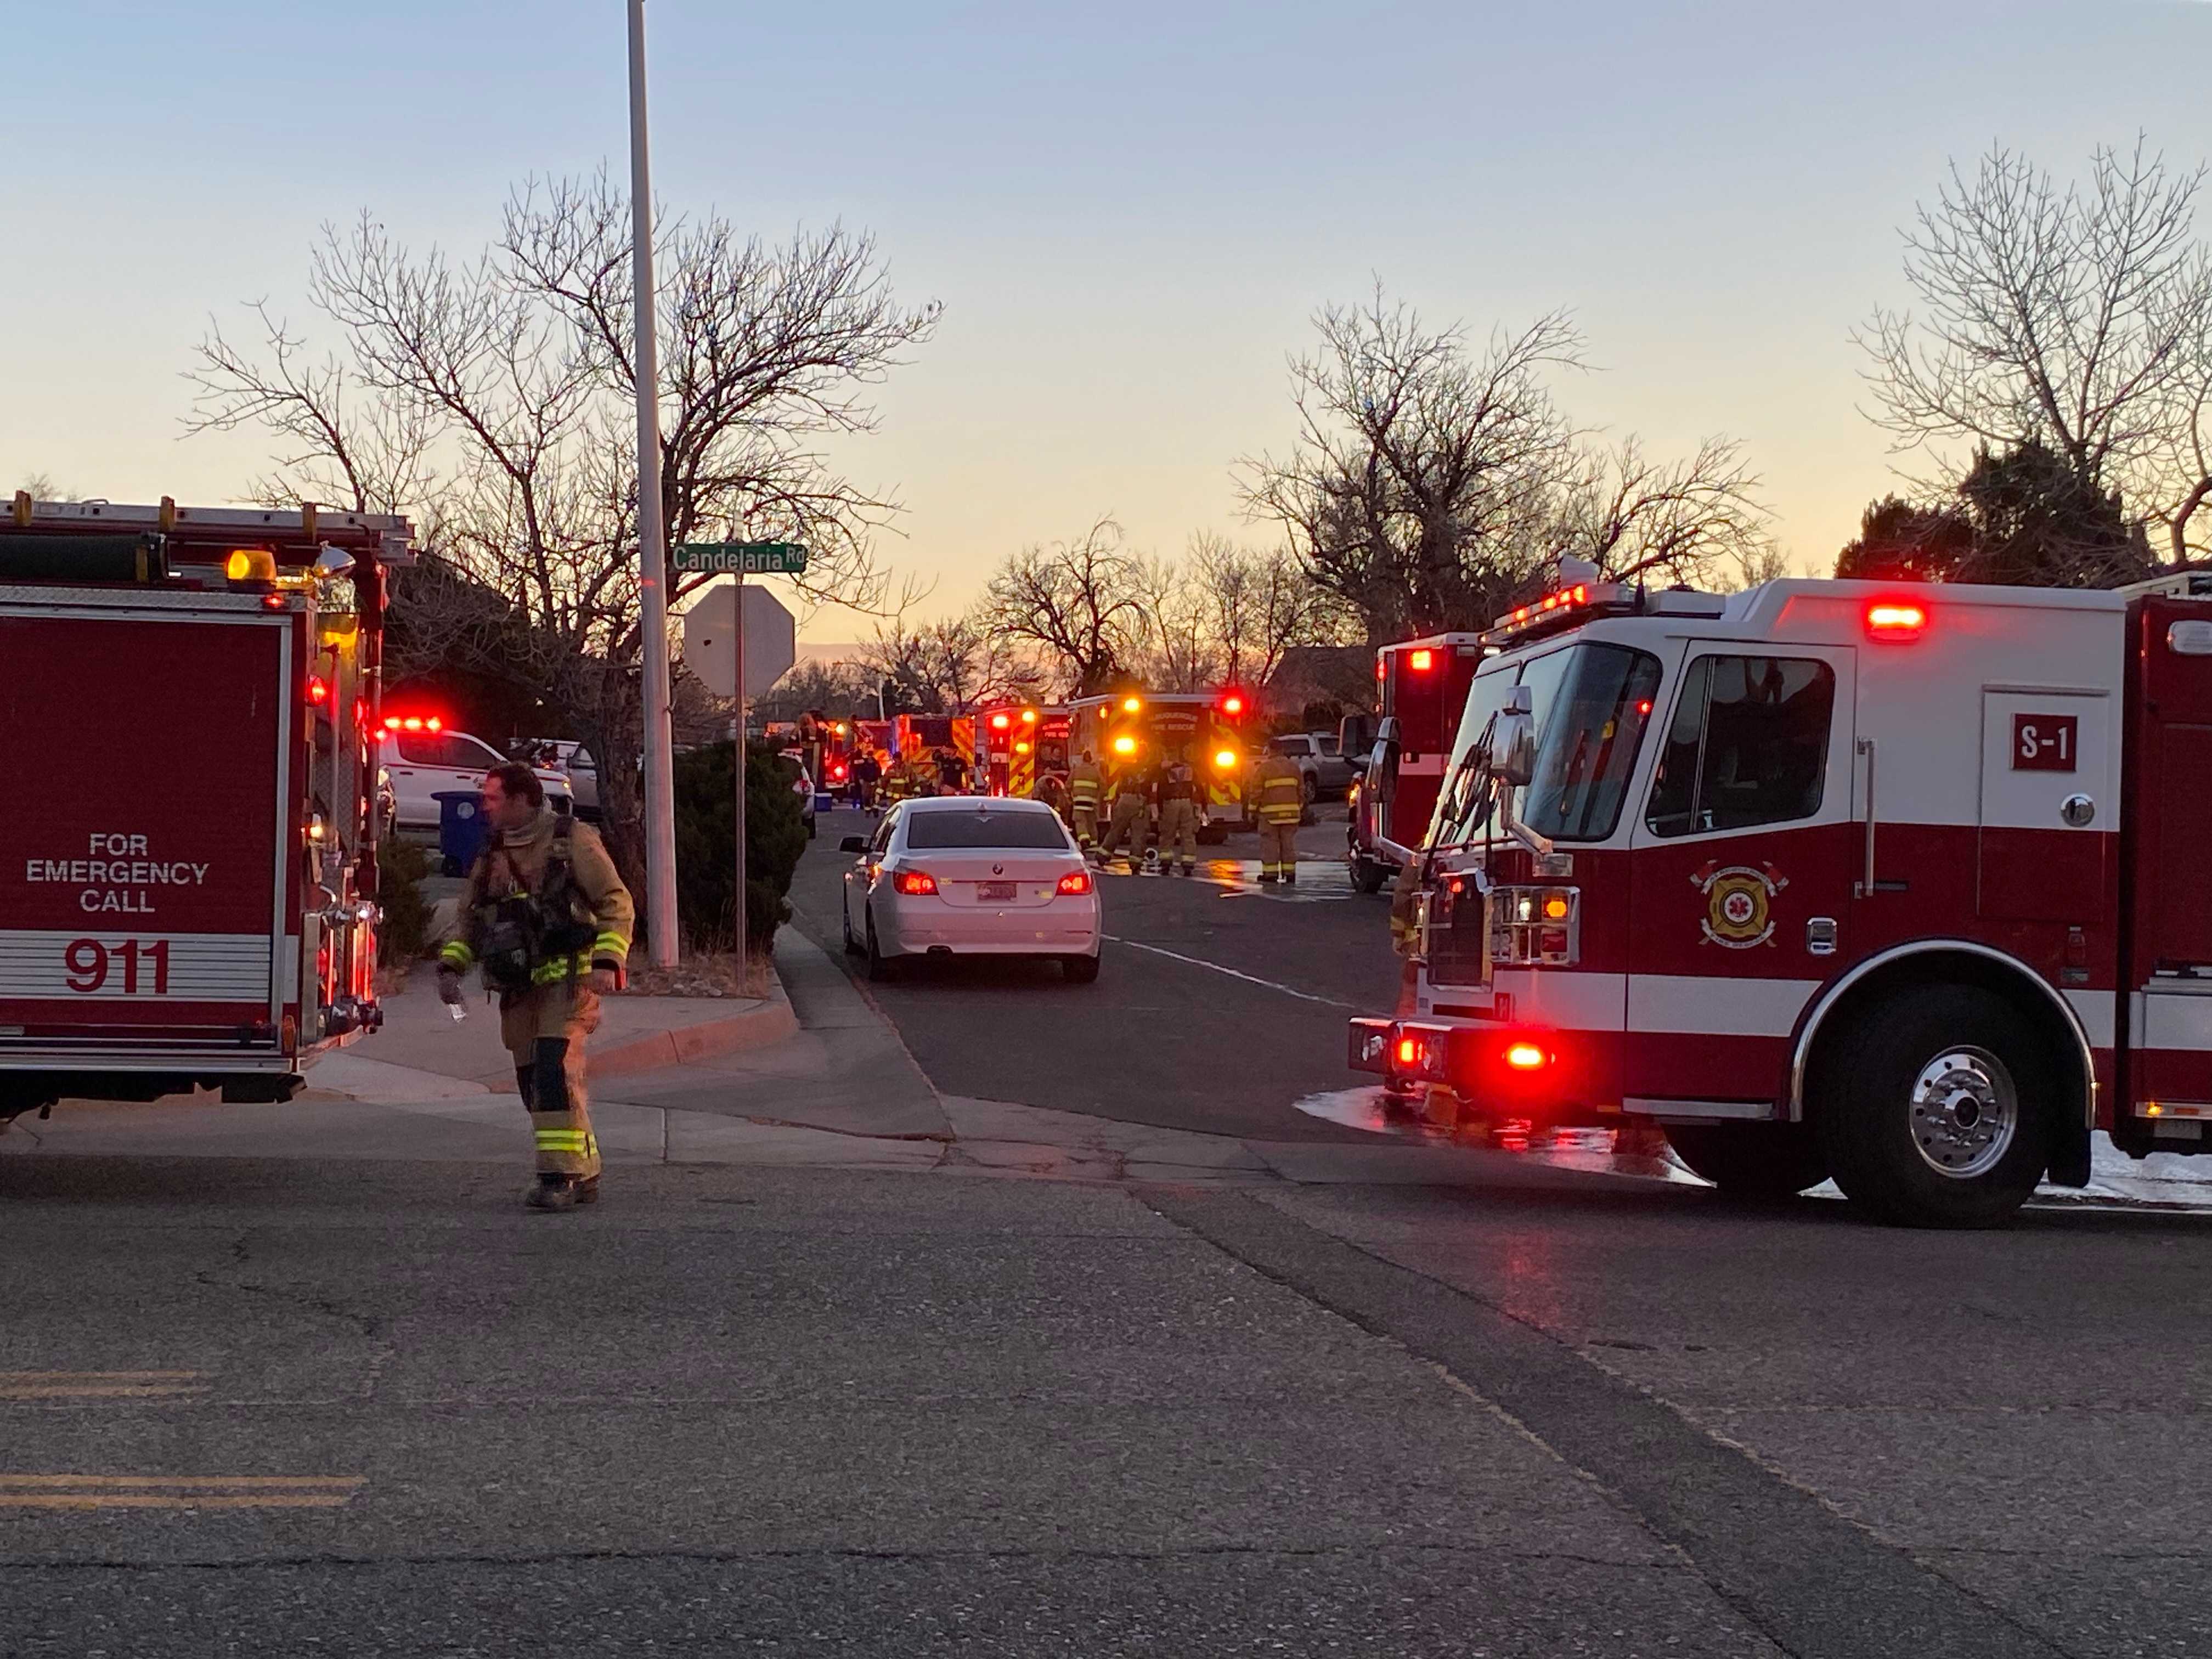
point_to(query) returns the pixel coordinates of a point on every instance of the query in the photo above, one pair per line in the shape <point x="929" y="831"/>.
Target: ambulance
<point x="1215" y="730"/>
<point x="1901" y="885"/>
<point x="189" y="710"/>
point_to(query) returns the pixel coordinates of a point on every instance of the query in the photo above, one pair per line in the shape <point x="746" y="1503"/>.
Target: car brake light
<point x="1896" y="622"/>
<point x="1076" y="884"/>
<point x="914" y="883"/>
<point x="1527" y="1057"/>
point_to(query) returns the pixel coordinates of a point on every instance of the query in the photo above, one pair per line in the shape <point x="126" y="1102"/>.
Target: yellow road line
<point x="211" y="1482"/>
<point x="101" y="1385"/>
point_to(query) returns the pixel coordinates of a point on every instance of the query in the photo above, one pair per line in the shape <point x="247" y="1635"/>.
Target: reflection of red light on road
<point x="1526" y="1057"/>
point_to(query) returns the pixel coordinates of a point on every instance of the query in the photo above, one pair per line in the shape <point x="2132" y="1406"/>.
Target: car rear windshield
<point x="939" y="830"/>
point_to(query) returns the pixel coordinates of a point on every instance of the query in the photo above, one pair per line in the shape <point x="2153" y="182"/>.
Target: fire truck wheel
<point x="1367" y="875"/>
<point x="1753" y="1162"/>
<point x="1935" y="1108"/>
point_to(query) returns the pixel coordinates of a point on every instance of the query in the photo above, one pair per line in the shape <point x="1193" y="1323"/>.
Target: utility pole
<point x="652" y="534"/>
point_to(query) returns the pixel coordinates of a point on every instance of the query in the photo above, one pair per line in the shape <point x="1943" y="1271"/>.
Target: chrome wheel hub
<point x="1965" y="1113"/>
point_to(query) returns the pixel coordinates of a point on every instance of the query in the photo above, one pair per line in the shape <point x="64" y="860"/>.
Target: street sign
<point x="739" y="559"/>
<point x="771" y="640"/>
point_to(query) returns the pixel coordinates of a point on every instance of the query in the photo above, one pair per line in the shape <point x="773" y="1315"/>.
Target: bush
<point x="706" y="827"/>
<point x="405" y="934"/>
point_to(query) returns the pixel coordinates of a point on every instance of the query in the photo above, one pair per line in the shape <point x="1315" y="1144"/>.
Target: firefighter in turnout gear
<point x="1282" y="804"/>
<point x="548" y="921"/>
<point x="1132" y="810"/>
<point x="1179" y="795"/>
<point x="1083" y="785"/>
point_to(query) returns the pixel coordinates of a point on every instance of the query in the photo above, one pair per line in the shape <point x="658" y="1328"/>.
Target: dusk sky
<point x="1129" y="212"/>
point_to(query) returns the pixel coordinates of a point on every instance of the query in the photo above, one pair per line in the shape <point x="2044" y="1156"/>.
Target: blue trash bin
<point x="460" y="829"/>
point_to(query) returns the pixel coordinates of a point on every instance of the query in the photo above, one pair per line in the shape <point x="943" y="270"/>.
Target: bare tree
<point x="1260" y="605"/>
<point x="1417" y="461"/>
<point x="951" y="666"/>
<point x="1076" y="601"/>
<point x="492" y="401"/>
<point x="1634" y="517"/>
<point x="1432" y="484"/>
<point x="1181" y="651"/>
<point x="2077" y="318"/>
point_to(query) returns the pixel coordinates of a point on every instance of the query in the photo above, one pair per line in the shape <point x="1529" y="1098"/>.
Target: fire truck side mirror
<point x="1513" y="741"/>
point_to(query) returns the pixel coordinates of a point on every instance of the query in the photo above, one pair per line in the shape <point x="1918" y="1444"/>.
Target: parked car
<point x="971" y="875"/>
<point x="803" y="787"/>
<point x="574" y="762"/>
<point x="1321" y="760"/>
<point x="425" y="761"/>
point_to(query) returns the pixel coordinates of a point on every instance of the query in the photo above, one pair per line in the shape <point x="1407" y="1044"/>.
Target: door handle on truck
<point x="1865" y="885"/>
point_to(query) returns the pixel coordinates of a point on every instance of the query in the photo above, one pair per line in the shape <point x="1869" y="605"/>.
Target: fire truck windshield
<point x="1592" y="702"/>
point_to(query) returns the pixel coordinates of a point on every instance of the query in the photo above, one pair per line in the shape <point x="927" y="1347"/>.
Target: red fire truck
<point x="1901" y="887"/>
<point x="188" y="704"/>
<point x="1422" y="686"/>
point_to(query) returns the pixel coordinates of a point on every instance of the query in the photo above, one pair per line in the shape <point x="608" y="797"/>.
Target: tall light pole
<point x="651" y="533"/>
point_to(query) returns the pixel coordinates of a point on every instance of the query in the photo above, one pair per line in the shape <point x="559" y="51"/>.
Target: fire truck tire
<point x="1367" y="877"/>
<point x="1755" y="1162"/>
<point x="1936" y="1109"/>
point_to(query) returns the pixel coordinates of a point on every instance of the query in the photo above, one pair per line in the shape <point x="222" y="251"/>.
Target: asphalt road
<point x="1220" y="1003"/>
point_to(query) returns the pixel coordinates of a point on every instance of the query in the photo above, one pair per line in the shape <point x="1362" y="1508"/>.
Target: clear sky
<point x="1129" y="211"/>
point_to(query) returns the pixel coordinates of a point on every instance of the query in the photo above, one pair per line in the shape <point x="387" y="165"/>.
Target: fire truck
<point x="1018" y="744"/>
<point x="1140" y="728"/>
<point x="1422" y="686"/>
<point x="188" y="710"/>
<point x="1903" y="887"/>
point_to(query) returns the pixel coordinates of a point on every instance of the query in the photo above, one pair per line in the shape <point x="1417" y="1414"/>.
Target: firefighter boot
<point x="1188" y="868"/>
<point x="554" y="1192"/>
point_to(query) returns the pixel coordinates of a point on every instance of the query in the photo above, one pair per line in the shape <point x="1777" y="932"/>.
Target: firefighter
<point x="1282" y="804"/>
<point x="1084" y="784"/>
<point x="1178" y="793"/>
<point x="1052" y="790"/>
<point x="548" y="921"/>
<point x="1131" y="806"/>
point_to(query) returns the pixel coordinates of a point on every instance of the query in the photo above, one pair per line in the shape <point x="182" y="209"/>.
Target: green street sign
<point x="739" y="559"/>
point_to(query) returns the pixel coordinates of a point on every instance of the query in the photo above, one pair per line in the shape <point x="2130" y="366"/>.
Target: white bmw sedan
<point x="971" y="875"/>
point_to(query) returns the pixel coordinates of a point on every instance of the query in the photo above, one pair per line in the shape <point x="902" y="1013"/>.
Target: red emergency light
<point x="1421" y="661"/>
<point x="1895" y="621"/>
<point x="318" y="691"/>
<point x="1000" y="722"/>
<point x="1029" y="717"/>
<point x="1527" y="1057"/>
<point x="413" y="723"/>
<point x="1232" y="704"/>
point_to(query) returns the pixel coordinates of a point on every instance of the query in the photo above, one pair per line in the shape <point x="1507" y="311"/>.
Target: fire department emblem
<point x="1739" y="903"/>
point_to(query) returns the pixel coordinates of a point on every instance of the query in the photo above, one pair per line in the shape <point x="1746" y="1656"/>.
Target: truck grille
<point x="1458" y="933"/>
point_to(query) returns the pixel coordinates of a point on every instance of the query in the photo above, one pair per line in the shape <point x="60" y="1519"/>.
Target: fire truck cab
<point x="1900" y="886"/>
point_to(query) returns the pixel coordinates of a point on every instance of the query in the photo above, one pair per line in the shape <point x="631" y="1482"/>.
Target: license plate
<point x="997" y="892"/>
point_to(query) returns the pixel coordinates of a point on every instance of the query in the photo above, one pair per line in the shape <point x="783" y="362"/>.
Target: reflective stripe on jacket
<point x="1282" y="792"/>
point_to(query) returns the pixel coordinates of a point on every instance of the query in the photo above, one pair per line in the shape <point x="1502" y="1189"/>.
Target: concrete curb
<point x="654" y="1051"/>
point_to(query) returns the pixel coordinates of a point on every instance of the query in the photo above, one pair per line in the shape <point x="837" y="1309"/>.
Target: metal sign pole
<point x="737" y="651"/>
<point x="652" y="549"/>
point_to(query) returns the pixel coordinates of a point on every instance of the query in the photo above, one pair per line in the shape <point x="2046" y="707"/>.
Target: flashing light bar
<point x="413" y="723"/>
<point x="1564" y="608"/>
